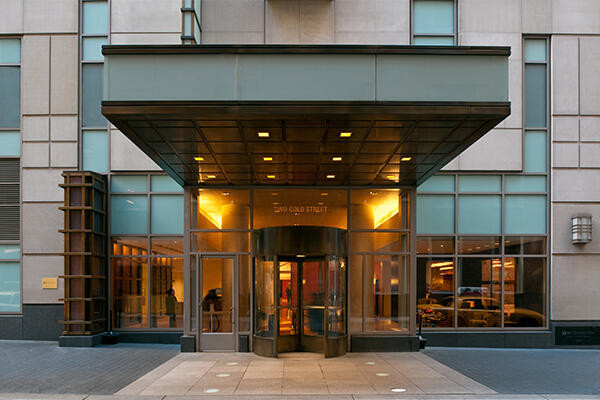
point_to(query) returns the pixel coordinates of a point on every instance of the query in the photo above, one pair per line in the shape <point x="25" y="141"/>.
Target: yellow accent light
<point x="385" y="210"/>
<point x="198" y="158"/>
<point x="210" y="209"/>
<point x="267" y="158"/>
<point x="263" y="134"/>
<point x="406" y="159"/>
<point x="345" y="134"/>
<point x="336" y="159"/>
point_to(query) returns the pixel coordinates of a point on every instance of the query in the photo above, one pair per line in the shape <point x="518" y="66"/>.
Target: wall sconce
<point x="581" y="229"/>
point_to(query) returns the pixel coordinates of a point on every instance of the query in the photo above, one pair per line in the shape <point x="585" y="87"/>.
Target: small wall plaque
<point x="49" y="283"/>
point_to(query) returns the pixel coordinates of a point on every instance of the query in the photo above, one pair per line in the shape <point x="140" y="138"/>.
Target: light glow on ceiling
<point x="385" y="210"/>
<point x="210" y="209"/>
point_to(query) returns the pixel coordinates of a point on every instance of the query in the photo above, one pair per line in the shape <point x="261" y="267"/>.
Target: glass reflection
<point x="479" y="245"/>
<point x="288" y="297"/>
<point x="435" y="291"/>
<point x="129" y="246"/>
<point x="478" y="297"/>
<point x="525" y="245"/>
<point x="129" y="292"/>
<point x="435" y="245"/>
<point x="524" y="292"/>
<point x="337" y="296"/>
<point x="313" y="297"/>
<point x="220" y="209"/>
<point x="217" y="295"/>
<point x="379" y="209"/>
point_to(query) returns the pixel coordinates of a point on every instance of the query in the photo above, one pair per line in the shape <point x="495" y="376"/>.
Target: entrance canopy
<point x="304" y="115"/>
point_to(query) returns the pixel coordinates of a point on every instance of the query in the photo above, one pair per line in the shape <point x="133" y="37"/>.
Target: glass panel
<point x="435" y="292"/>
<point x="525" y="214"/>
<point x="218" y="209"/>
<point x="518" y="184"/>
<point x="129" y="246"/>
<point x="433" y="40"/>
<point x="264" y="297"/>
<point x="524" y="292"/>
<point x="535" y="50"/>
<point x="219" y="242"/>
<point x="435" y="214"/>
<point x="129" y="292"/>
<point x="535" y="96"/>
<point x="193" y="288"/>
<point x="313" y="297"/>
<point x="95" y="17"/>
<point x="355" y="291"/>
<point x="166" y="280"/>
<point x="535" y="151"/>
<point x="288" y="298"/>
<point x="164" y="183"/>
<point x="438" y="183"/>
<point x="386" y="292"/>
<point x="379" y="209"/>
<point x="10" y="97"/>
<point x="217" y="295"/>
<point x="525" y="245"/>
<point x="166" y="214"/>
<point x="479" y="245"/>
<point x="10" y="51"/>
<point x="10" y="251"/>
<point x="10" y="287"/>
<point x="479" y="214"/>
<point x="435" y="245"/>
<point x="479" y="183"/>
<point x="244" y="293"/>
<point x="129" y="214"/>
<point x="129" y="184"/>
<point x="378" y="242"/>
<point x="478" y="298"/>
<point x="167" y="246"/>
<point x="92" y="48"/>
<point x="91" y="92"/>
<point x="304" y="207"/>
<point x="433" y="16"/>
<point x="95" y="151"/>
<point x="337" y="296"/>
<point x="10" y="143"/>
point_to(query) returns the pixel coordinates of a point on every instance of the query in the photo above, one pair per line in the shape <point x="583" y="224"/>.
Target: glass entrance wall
<point x="372" y="282"/>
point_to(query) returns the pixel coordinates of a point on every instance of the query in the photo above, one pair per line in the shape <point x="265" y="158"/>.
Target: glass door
<point x="287" y="309"/>
<point x="216" y="324"/>
<point x="313" y="305"/>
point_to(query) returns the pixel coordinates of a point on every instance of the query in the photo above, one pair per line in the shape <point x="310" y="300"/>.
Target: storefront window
<point x="435" y="292"/>
<point x="129" y="292"/>
<point x="478" y="297"/>
<point x="524" y="292"/>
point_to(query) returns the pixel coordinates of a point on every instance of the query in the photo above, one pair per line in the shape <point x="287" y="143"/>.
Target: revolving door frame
<point x="324" y="244"/>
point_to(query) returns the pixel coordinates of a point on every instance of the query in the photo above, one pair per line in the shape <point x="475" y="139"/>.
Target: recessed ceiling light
<point x="382" y="374"/>
<point x="211" y="390"/>
<point x="336" y="159"/>
<point x="324" y="194"/>
<point x="231" y="363"/>
<point x="274" y="194"/>
<point x="406" y="159"/>
<point x="198" y="158"/>
<point x="370" y="363"/>
<point x="267" y="158"/>
<point x="330" y="176"/>
<point x="271" y="176"/>
<point x="222" y="375"/>
<point x="263" y="134"/>
<point x="210" y="176"/>
<point x="398" y="390"/>
<point x="391" y="177"/>
<point x="345" y="134"/>
<point x="301" y="256"/>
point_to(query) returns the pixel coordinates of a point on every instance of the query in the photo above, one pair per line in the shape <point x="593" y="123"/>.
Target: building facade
<point x="303" y="174"/>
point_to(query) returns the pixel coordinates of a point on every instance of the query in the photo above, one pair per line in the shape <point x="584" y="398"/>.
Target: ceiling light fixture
<point x="336" y="159"/>
<point x="391" y="177"/>
<point x="324" y="194"/>
<point x="345" y="134"/>
<point x="271" y="176"/>
<point x="263" y="134"/>
<point x="267" y="158"/>
<point x="210" y="176"/>
<point x="198" y="158"/>
<point x="406" y="159"/>
<point x="330" y="176"/>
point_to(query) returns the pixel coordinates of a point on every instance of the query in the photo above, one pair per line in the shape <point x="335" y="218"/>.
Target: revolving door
<point x="300" y="291"/>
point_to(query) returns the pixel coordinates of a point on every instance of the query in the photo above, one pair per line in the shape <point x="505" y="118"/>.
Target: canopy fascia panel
<point x="180" y="104"/>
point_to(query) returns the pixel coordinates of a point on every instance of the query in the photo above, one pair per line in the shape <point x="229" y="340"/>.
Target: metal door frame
<point x="234" y="301"/>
